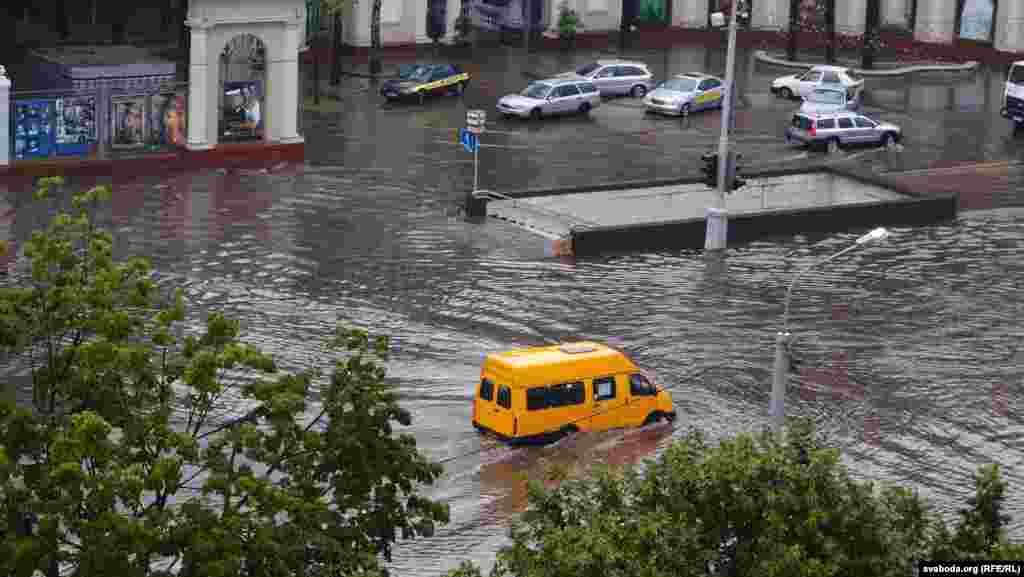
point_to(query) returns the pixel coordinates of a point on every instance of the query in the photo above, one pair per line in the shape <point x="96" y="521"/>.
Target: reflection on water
<point x="908" y="352"/>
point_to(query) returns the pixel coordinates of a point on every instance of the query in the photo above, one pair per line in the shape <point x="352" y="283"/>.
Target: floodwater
<point x="910" y="350"/>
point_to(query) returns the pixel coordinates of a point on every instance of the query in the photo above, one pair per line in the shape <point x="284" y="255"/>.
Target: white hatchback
<point x="801" y="85"/>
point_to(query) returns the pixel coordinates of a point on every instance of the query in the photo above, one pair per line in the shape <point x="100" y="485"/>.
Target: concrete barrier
<point x="763" y="56"/>
<point x="748" y="227"/>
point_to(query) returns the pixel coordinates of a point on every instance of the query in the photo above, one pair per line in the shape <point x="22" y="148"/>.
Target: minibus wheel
<point x="653" y="418"/>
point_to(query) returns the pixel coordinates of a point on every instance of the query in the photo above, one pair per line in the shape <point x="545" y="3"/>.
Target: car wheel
<point x="832" y="146"/>
<point x="684" y="110"/>
<point x="888" y="141"/>
<point x="585" y="108"/>
<point x="786" y="93"/>
<point x="535" y="114"/>
<point x="638" y="91"/>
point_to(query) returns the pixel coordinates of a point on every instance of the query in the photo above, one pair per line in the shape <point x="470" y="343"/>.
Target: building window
<point x="976" y="20"/>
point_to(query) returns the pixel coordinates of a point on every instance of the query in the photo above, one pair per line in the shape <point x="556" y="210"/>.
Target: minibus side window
<point x="486" y="390"/>
<point x="566" y="394"/>
<point x="504" y="397"/>
<point x="640" y="387"/>
<point x="536" y="398"/>
<point x="604" y="388"/>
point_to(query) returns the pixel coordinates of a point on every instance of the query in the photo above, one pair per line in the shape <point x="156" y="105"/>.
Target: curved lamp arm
<point x="876" y="234"/>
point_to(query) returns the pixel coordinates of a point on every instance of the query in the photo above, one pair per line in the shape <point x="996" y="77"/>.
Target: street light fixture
<point x="777" y="405"/>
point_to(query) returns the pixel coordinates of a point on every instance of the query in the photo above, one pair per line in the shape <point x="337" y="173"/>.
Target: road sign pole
<point x="476" y="166"/>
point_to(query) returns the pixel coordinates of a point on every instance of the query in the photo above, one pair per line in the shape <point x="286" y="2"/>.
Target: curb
<point x="763" y="56"/>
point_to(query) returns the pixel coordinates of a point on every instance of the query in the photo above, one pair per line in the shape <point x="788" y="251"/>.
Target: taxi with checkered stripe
<point x="686" y="93"/>
<point x="417" y="81"/>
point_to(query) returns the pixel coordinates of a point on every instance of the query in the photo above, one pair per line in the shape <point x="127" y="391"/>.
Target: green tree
<point x="750" y="505"/>
<point x="124" y="459"/>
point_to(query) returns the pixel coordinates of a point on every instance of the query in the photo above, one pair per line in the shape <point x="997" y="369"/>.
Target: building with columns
<point x="998" y="23"/>
<point x="278" y="28"/>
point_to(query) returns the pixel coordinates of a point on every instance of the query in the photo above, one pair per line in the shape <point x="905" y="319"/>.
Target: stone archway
<point x="272" y="30"/>
<point x="242" y="81"/>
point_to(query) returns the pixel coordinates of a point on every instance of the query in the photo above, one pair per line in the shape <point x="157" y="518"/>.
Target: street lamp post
<point x="777" y="408"/>
<point x="717" y="220"/>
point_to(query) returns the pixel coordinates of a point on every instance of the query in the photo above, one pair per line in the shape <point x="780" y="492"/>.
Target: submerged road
<point x="911" y="349"/>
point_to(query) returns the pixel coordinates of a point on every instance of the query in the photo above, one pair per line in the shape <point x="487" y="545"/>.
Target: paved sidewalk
<point x="981" y="186"/>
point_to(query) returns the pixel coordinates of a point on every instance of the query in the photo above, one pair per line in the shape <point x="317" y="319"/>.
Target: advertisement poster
<point x="33" y="129"/>
<point x="976" y="20"/>
<point x="243" y="109"/>
<point x="652" y="12"/>
<point x="76" y="125"/>
<point x="167" y="123"/>
<point x="128" y="122"/>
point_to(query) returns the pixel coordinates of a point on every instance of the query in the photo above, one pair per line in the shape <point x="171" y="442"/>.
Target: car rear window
<point x="1016" y="75"/>
<point x="830" y="77"/>
<point x="826" y="123"/>
<point x="801" y="122"/>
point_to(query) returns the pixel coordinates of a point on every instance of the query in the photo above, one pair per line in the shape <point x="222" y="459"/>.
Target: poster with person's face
<point x="33" y="129"/>
<point x="167" y="125"/>
<point x="128" y="122"/>
<point x="76" y="125"/>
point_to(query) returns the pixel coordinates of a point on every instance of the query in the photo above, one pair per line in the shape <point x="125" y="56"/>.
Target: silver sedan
<point x="551" y="97"/>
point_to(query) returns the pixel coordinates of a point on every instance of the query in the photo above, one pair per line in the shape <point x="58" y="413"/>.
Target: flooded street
<point x="912" y="350"/>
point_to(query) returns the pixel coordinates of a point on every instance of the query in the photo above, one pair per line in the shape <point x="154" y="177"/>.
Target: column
<point x="894" y="13"/>
<point x="691" y="14"/>
<point x="283" y="82"/>
<point x="5" y="120"/>
<point x="199" y="93"/>
<point x="1010" y="26"/>
<point x="451" y="14"/>
<point x="936" y="20"/>
<point x="419" y="10"/>
<point x="850" y="17"/>
<point x="770" y="15"/>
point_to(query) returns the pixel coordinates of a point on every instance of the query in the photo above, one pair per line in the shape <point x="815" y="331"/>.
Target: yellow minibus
<point x="538" y="395"/>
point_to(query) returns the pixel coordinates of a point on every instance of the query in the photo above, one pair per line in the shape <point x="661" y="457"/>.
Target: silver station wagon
<point x="835" y="129"/>
<point x="551" y="97"/>
<point x="616" y="77"/>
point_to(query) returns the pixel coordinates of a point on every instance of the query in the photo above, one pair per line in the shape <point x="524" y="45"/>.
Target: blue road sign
<point x="468" y="139"/>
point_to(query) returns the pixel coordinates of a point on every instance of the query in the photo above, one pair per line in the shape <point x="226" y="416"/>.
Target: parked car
<point x="822" y="100"/>
<point x="1013" y="95"/>
<point x="801" y="85"/>
<point x="421" y="80"/>
<point x="551" y="97"/>
<point x="835" y="129"/>
<point x="686" y="93"/>
<point x="616" y="77"/>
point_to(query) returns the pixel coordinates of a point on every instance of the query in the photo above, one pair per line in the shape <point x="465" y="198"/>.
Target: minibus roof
<point x="602" y="358"/>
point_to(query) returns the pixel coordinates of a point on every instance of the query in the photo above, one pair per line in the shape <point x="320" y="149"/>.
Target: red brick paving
<point x="980" y="186"/>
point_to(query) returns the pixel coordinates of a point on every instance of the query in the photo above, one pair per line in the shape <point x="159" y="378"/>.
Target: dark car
<point x="417" y="81"/>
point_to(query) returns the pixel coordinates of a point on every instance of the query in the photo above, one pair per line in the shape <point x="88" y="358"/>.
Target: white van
<point x="1013" y="97"/>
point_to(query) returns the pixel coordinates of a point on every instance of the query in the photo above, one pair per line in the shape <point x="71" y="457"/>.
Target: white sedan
<point x="801" y="85"/>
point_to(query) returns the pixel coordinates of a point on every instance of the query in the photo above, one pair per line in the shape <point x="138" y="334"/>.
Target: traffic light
<point x="734" y="180"/>
<point x="710" y="169"/>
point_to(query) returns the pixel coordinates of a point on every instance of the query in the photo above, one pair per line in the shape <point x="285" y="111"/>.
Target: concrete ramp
<point x="672" y="215"/>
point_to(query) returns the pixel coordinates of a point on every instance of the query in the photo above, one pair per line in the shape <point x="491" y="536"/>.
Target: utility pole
<point x="717" y="231"/>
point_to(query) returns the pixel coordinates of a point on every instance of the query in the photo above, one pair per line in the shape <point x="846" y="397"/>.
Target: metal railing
<point x="97" y="121"/>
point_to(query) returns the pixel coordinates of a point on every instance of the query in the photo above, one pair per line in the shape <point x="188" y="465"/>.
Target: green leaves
<point x="748" y="506"/>
<point x="127" y="455"/>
